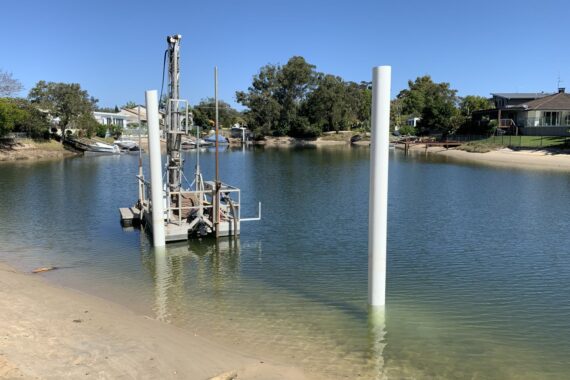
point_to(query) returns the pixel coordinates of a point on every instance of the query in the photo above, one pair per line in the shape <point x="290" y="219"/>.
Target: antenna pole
<point x="217" y="116"/>
<point x="217" y="190"/>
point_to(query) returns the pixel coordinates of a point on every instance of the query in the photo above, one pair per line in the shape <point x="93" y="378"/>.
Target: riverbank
<point x="33" y="150"/>
<point x="523" y="159"/>
<point x="49" y="332"/>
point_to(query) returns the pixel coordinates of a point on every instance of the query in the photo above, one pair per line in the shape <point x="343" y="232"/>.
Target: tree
<point x="64" y="100"/>
<point x="327" y="107"/>
<point x="296" y="100"/>
<point x="434" y="103"/>
<point x="276" y="95"/>
<point x="204" y="113"/>
<point x="9" y="86"/>
<point x="472" y="103"/>
<point x="129" y="104"/>
<point x="264" y="108"/>
<point x="10" y="116"/>
<point x="296" y="79"/>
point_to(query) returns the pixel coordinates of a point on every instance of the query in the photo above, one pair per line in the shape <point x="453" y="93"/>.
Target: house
<point x="533" y="114"/>
<point x="413" y="121"/>
<point x="125" y="117"/>
<point x="111" y="118"/>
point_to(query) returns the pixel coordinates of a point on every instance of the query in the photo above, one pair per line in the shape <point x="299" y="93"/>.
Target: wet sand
<point x="49" y="332"/>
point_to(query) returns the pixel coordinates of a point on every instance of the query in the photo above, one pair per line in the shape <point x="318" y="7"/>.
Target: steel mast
<point x="174" y="129"/>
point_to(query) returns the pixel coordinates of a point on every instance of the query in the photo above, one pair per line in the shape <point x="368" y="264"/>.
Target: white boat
<point x="191" y="143"/>
<point x="99" y="147"/>
<point x="126" y="144"/>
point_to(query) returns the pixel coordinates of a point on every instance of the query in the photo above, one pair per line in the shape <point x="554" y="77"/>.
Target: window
<point x="551" y="118"/>
<point x="567" y="120"/>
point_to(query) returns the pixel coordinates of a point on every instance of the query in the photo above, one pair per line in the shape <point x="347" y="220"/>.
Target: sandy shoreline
<point x="49" y="332"/>
<point x="506" y="158"/>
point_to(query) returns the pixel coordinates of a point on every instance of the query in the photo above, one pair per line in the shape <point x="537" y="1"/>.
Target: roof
<point x="559" y="101"/>
<point x="521" y="95"/>
<point x="113" y="114"/>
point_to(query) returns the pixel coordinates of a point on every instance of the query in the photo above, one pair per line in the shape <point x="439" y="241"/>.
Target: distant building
<point x="127" y="119"/>
<point x="534" y="114"/>
<point x="111" y="118"/>
<point x="413" y="121"/>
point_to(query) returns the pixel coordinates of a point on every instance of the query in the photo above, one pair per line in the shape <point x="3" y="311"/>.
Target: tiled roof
<point x="522" y="95"/>
<point x="559" y="101"/>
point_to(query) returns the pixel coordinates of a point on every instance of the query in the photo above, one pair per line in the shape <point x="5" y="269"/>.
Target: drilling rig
<point x="203" y="207"/>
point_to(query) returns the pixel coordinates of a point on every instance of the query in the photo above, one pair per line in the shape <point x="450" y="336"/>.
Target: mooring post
<point x="378" y="198"/>
<point x="158" y="239"/>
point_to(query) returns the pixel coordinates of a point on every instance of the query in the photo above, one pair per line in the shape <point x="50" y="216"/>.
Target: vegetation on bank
<point x="297" y="100"/>
<point x="46" y="101"/>
<point x="292" y="100"/>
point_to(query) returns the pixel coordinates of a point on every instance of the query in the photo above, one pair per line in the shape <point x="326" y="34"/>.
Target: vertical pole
<point x="217" y="190"/>
<point x="499" y="119"/>
<point x="141" y="184"/>
<point x="217" y="115"/>
<point x="378" y="198"/>
<point x="158" y="238"/>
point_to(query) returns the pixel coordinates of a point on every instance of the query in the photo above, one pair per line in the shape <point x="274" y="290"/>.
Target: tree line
<point x="283" y="100"/>
<point x="296" y="100"/>
<point x="46" y="100"/>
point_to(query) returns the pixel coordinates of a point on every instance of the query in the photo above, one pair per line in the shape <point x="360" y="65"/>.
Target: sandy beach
<point x="507" y="158"/>
<point x="49" y="332"/>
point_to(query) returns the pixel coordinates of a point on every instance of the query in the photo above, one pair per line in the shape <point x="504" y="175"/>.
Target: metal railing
<point x="545" y="122"/>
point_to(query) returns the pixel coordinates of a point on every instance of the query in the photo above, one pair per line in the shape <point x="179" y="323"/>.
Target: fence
<point x="517" y="142"/>
<point x="15" y="136"/>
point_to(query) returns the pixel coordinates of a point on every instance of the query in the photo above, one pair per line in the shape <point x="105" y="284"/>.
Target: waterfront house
<point x="533" y="114"/>
<point x="111" y="118"/>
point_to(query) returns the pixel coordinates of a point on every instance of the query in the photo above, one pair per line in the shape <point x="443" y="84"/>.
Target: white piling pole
<point x="155" y="169"/>
<point x="378" y="201"/>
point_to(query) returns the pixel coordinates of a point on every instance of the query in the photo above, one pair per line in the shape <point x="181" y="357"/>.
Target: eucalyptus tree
<point x="64" y="100"/>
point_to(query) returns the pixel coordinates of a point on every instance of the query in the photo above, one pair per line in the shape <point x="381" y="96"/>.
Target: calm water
<point x="478" y="266"/>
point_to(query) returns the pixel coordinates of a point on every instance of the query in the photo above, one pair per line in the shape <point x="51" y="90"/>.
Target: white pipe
<point x="155" y="169"/>
<point x="378" y="201"/>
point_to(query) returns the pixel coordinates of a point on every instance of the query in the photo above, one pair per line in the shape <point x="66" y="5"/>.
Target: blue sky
<point x="114" y="49"/>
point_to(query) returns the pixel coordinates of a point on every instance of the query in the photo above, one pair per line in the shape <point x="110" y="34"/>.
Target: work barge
<point x="169" y="210"/>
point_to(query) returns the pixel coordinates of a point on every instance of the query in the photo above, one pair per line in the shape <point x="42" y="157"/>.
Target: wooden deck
<point x="130" y="216"/>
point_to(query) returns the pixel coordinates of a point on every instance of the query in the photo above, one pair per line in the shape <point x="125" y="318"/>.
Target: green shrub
<point x="408" y="130"/>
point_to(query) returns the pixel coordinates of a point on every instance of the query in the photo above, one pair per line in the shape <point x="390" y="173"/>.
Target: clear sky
<point x="114" y="49"/>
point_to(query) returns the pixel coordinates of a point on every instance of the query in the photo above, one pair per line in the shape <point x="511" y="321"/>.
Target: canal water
<point x="478" y="263"/>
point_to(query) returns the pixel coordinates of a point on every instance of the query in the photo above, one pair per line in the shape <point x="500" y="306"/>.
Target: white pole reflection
<point x="162" y="283"/>
<point x="377" y="336"/>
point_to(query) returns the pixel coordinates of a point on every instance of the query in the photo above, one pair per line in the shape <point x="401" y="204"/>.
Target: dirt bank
<point x="33" y="150"/>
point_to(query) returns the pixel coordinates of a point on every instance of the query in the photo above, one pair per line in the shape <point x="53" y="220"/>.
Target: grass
<point x="335" y="137"/>
<point x="479" y="147"/>
<point x="527" y="141"/>
<point x="51" y="145"/>
<point x="532" y="142"/>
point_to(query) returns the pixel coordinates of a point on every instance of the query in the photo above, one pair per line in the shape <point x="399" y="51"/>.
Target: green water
<point x="478" y="265"/>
